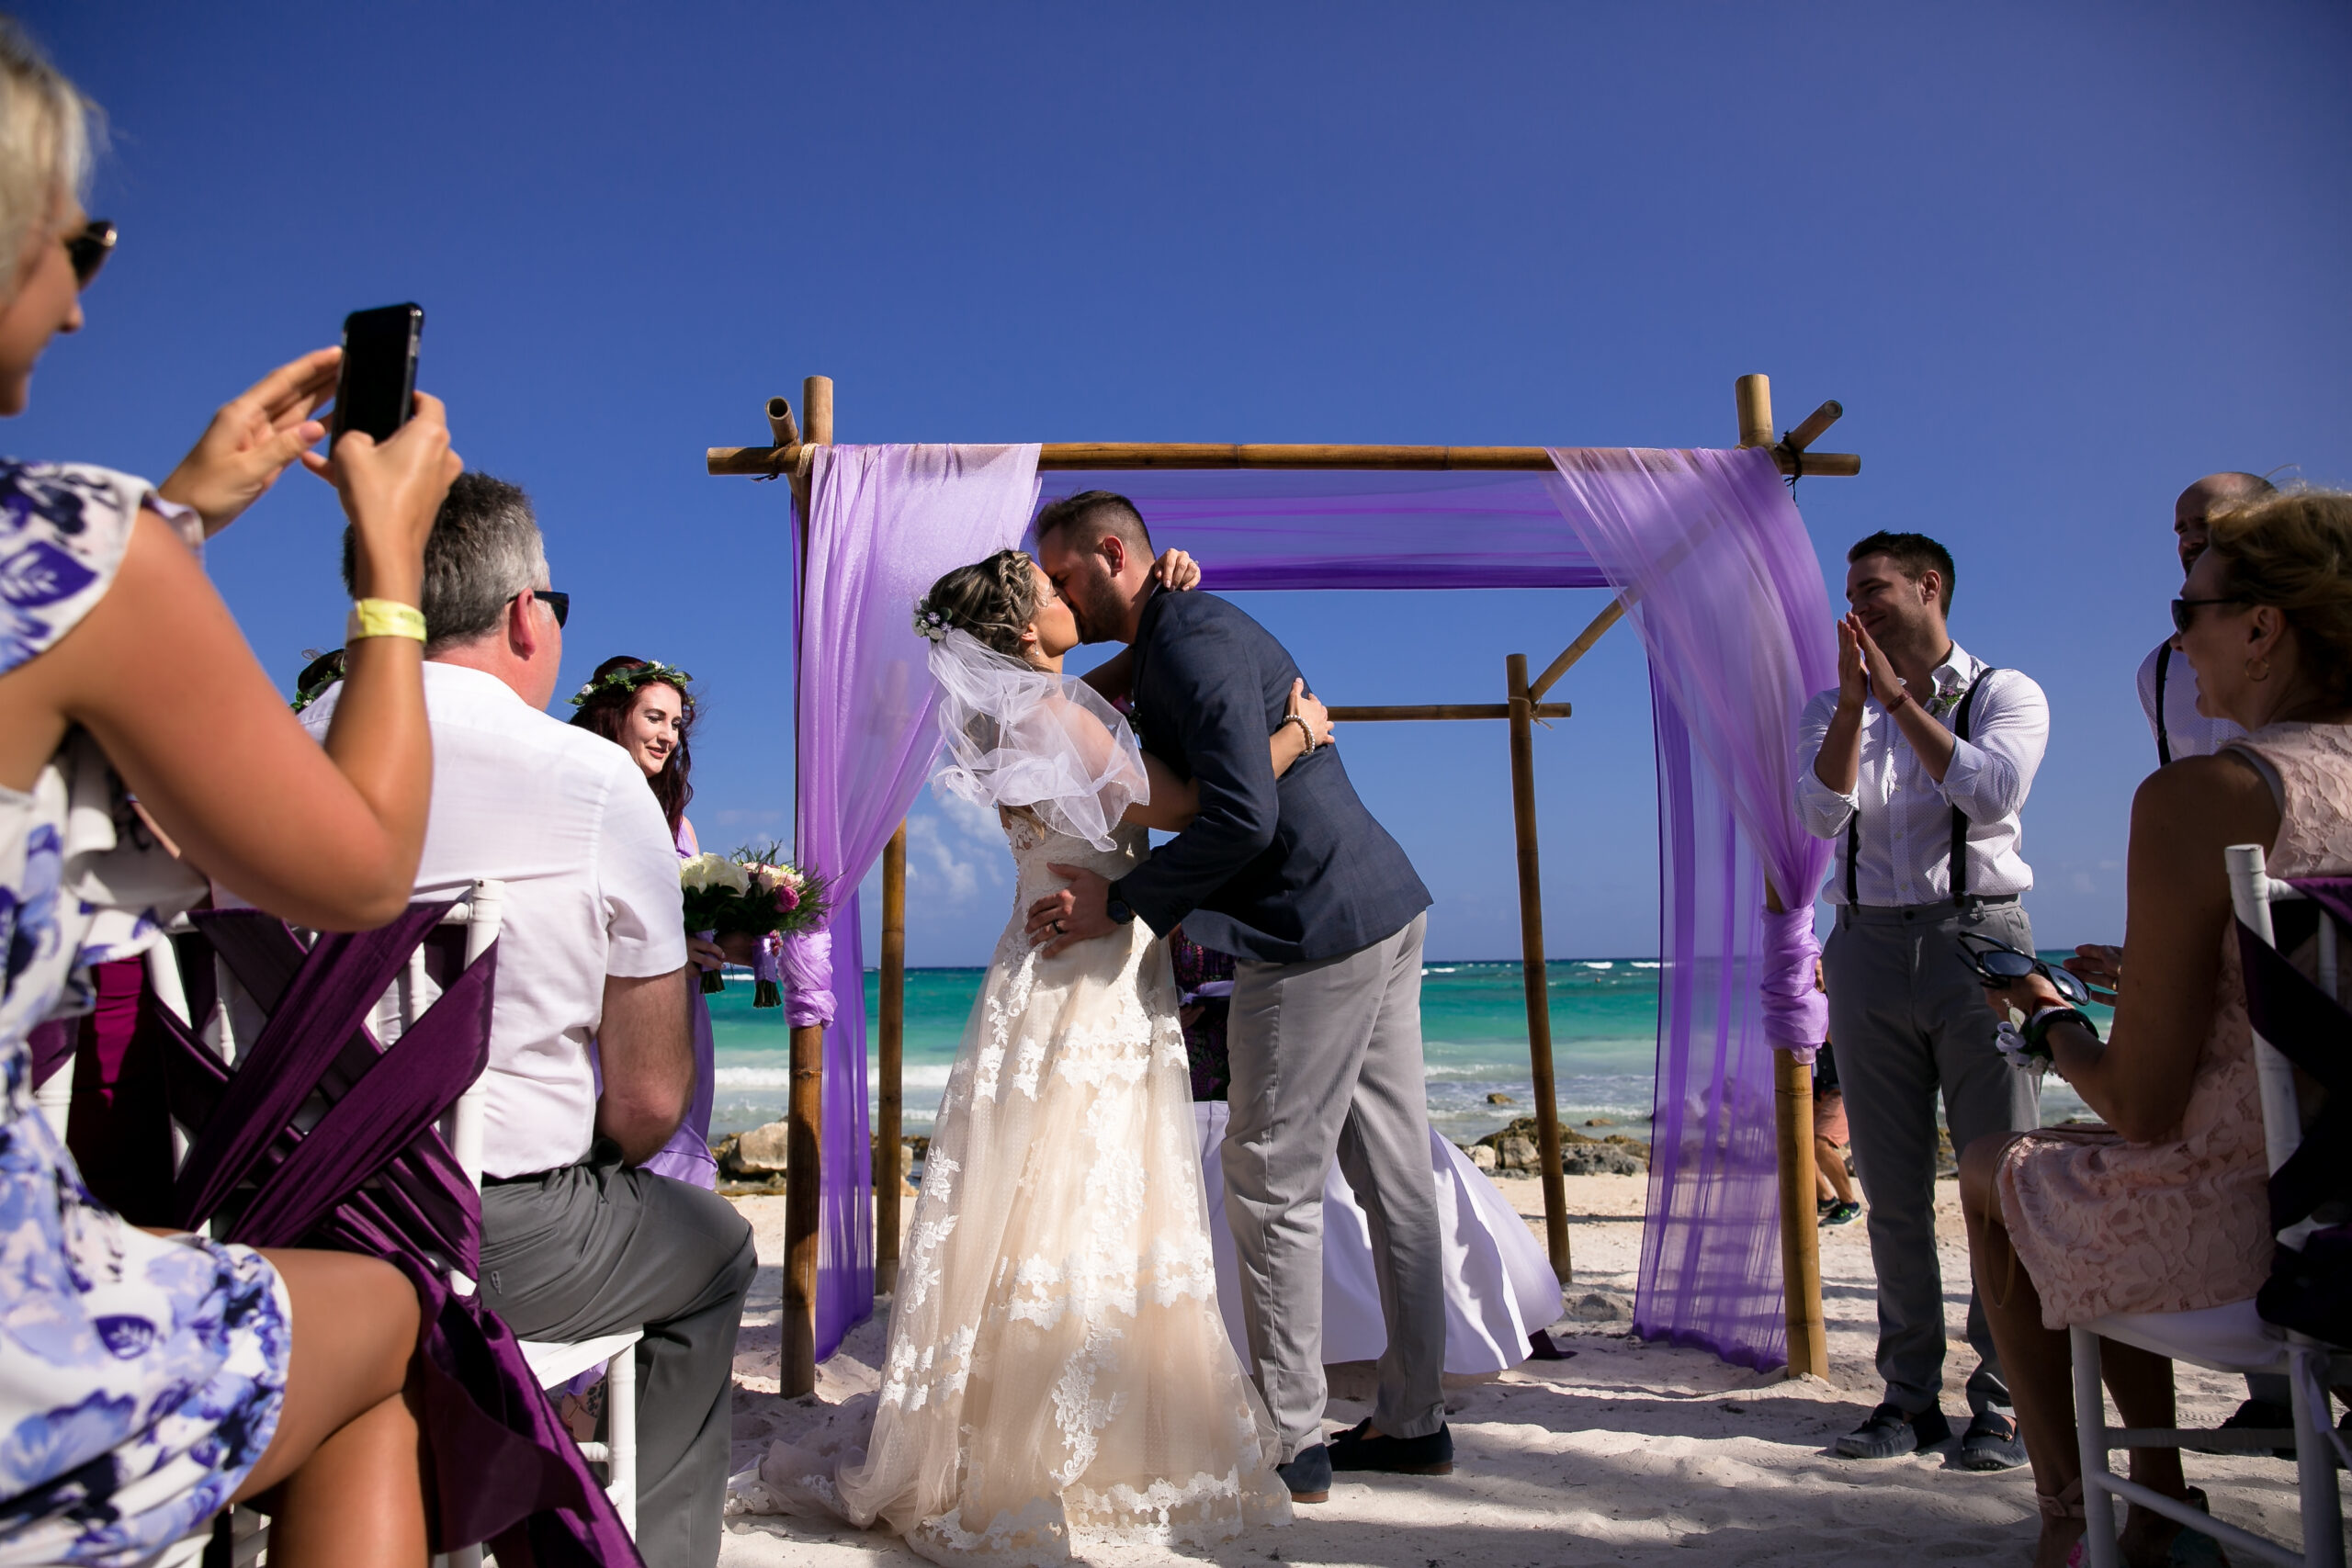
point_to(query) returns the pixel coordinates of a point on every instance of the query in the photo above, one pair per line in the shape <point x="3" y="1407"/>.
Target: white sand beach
<point x="1626" y="1453"/>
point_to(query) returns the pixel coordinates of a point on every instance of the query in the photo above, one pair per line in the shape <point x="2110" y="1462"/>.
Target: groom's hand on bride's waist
<point x="1077" y="912"/>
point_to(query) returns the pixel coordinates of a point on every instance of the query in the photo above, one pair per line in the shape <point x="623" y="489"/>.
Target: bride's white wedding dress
<point x="1059" y="1374"/>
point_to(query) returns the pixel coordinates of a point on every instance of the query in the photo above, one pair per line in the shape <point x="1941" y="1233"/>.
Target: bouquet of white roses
<point x="753" y="892"/>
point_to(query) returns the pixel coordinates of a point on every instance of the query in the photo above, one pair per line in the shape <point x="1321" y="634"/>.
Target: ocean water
<point x="1473" y="1031"/>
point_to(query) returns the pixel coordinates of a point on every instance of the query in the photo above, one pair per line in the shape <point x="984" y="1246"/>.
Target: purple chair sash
<point x="2312" y="1029"/>
<point x="373" y="1176"/>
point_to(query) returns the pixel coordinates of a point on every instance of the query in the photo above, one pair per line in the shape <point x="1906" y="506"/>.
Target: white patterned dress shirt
<point x="1905" y="856"/>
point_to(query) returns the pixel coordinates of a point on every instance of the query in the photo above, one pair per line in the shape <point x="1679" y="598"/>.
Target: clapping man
<point x="1917" y="764"/>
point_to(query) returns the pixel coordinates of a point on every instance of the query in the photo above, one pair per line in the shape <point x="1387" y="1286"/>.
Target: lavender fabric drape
<point x="1721" y="583"/>
<point x="883" y="523"/>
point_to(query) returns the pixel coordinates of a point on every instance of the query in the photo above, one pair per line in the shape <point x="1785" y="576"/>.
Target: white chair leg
<point x="464" y="1557"/>
<point x="620" y="1402"/>
<point x="2316" y="1461"/>
<point x="2090" y="1440"/>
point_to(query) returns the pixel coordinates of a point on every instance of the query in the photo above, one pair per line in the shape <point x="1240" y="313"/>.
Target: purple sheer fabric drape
<point x="373" y="1176"/>
<point x="1707" y="551"/>
<point x="1275" y="529"/>
<point x="883" y="524"/>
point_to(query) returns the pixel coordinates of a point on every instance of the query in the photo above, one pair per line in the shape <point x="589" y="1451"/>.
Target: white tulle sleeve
<point x="1018" y="736"/>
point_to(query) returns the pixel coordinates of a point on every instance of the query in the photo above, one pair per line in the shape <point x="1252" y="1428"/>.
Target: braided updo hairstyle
<point x="2294" y="550"/>
<point x="994" y="600"/>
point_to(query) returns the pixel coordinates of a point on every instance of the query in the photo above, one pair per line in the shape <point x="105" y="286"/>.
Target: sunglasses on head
<point x="2184" y="610"/>
<point x="88" y="250"/>
<point x="558" y="605"/>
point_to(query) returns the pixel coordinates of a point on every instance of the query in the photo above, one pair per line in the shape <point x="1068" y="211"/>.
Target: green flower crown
<point x="652" y="673"/>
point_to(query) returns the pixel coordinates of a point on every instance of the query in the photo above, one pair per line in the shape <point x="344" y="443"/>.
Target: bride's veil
<point x="1021" y="737"/>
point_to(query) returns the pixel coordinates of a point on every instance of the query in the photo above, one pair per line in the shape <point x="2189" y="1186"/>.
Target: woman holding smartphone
<point x="148" y="1379"/>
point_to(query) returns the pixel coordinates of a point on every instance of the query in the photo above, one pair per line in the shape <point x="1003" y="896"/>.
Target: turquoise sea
<point x="1474" y="1029"/>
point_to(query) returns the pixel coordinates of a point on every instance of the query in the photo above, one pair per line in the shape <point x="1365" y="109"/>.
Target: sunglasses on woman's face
<point x="89" y="249"/>
<point x="2184" y="610"/>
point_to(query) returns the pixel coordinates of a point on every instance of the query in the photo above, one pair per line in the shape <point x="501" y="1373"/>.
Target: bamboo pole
<point x="1610" y="613"/>
<point x="888" y="1154"/>
<point x="804" y="1150"/>
<point x="1531" y="947"/>
<point x="759" y="461"/>
<point x="1406" y="715"/>
<point x="1791" y="1079"/>
<point x="1800" y="1235"/>
<point x="780" y="422"/>
<point x="1753" y="394"/>
<point x="1816" y="423"/>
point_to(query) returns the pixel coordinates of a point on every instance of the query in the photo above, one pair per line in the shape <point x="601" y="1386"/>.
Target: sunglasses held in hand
<point x="1998" y="965"/>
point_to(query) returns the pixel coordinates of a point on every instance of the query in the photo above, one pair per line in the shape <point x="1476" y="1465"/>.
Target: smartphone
<point x="378" y="381"/>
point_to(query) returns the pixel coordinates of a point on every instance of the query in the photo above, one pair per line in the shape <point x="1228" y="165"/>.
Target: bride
<point x="1059" y="1374"/>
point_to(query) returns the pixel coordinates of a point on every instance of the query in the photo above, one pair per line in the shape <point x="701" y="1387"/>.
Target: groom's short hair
<point x="1089" y="516"/>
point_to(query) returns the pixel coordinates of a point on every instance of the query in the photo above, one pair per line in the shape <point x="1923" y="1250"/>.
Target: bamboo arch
<point x="787" y="456"/>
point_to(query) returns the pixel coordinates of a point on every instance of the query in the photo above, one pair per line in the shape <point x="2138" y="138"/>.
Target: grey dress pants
<point x="1327" y="1059"/>
<point x="601" y="1247"/>
<point x="1909" y="1019"/>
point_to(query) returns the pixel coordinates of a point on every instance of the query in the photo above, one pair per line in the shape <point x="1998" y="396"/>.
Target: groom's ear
<point x="1115" y="553"/>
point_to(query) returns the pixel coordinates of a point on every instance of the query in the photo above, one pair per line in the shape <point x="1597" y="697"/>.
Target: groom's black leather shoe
<point x="1308" y="1476"/>
<point x="1355" y="1448"/>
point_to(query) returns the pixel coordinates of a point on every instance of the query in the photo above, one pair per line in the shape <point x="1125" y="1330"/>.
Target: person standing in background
<point x="1917" y="765"/>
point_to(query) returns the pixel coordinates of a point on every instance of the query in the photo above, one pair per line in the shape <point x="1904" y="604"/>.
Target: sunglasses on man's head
<point x="88" y="250"/>
<point x="2184" y="610"/>
<point x="558" y="605"/>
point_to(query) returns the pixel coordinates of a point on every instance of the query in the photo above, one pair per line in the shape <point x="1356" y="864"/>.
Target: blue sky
<point x="2056" y="261"/>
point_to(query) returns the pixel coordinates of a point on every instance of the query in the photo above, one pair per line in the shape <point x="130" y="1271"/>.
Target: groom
<point x="1324" y="915"/>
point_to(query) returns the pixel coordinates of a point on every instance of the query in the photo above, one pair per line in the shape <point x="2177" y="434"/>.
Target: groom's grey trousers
<point x="1326" y="1058"/>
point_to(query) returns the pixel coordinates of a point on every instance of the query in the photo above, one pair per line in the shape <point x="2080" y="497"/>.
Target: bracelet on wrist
<point x="1304" y="730"/>
<point x="2037" y="1028"/>
<point x="383" y="617"/>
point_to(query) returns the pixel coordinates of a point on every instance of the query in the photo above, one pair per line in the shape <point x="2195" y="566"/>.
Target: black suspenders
<point x="2164" y="735"/>
<point x="1961" y="721"/>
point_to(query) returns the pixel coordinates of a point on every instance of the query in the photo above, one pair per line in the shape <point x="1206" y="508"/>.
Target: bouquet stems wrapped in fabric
<point x="753" y="892"/>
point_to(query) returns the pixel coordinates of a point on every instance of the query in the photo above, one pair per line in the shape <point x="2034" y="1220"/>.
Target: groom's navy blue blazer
<point x="1278" y="869"/>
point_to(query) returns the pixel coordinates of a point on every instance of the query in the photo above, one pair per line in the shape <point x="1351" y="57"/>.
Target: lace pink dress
<point x="2105" y="1225"/>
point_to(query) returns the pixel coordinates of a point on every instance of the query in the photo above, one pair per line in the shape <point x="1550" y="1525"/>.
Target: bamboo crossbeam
<point x="1609" y="615"/>
<point x="1816" y="423"/>
<point x="1409" y="715"/>
<point x="760" y="461"/>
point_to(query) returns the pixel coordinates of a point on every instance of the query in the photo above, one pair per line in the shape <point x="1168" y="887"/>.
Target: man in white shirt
<point x="2167" y="685"/>
<point x="591" y="1064"/>
<point x="1917" y="764"/>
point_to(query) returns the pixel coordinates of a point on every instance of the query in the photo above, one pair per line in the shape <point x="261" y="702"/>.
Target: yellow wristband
<point x="383" y="617"/>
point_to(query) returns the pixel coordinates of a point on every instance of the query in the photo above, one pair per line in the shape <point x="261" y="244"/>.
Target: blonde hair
<point x="994" y="600"/>
<point x="47" y="130"/>
<point x="2293" y="551"/>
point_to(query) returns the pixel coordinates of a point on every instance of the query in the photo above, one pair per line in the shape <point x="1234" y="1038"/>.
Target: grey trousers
<point x="600" y="1246"/>
<point x="1327" y="1059"/>
<point x="1909" y="1019"/>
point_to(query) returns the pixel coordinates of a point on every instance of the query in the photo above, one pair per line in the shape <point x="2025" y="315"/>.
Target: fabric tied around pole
<point x="373" y="1176"/>
<point x="881" y="524"/>
<point x="805" y="965"/>
<point x="1796" y="1015"/>
<point x="1705" y="551"/>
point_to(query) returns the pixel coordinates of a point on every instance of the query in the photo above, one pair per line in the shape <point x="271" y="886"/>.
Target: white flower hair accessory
<point x="931" y="624"/>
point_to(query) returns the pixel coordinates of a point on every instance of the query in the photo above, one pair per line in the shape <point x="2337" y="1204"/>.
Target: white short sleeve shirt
<point x="563" y="818"/>
<point x="2185" y="731"/>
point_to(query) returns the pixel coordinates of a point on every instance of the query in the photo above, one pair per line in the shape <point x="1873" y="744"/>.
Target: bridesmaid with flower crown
<point x="646" y="708"/>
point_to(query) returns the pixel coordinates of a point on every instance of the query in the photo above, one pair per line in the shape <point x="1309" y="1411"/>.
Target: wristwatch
<point x="1117" y="908"/>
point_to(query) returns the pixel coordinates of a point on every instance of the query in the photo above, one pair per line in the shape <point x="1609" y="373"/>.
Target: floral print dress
<point x="140" y="1376"/>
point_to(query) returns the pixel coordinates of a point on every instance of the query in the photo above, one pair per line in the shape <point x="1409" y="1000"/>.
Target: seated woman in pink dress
<point x="643" y="707"/>
<point x="2164" y="1209"/>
